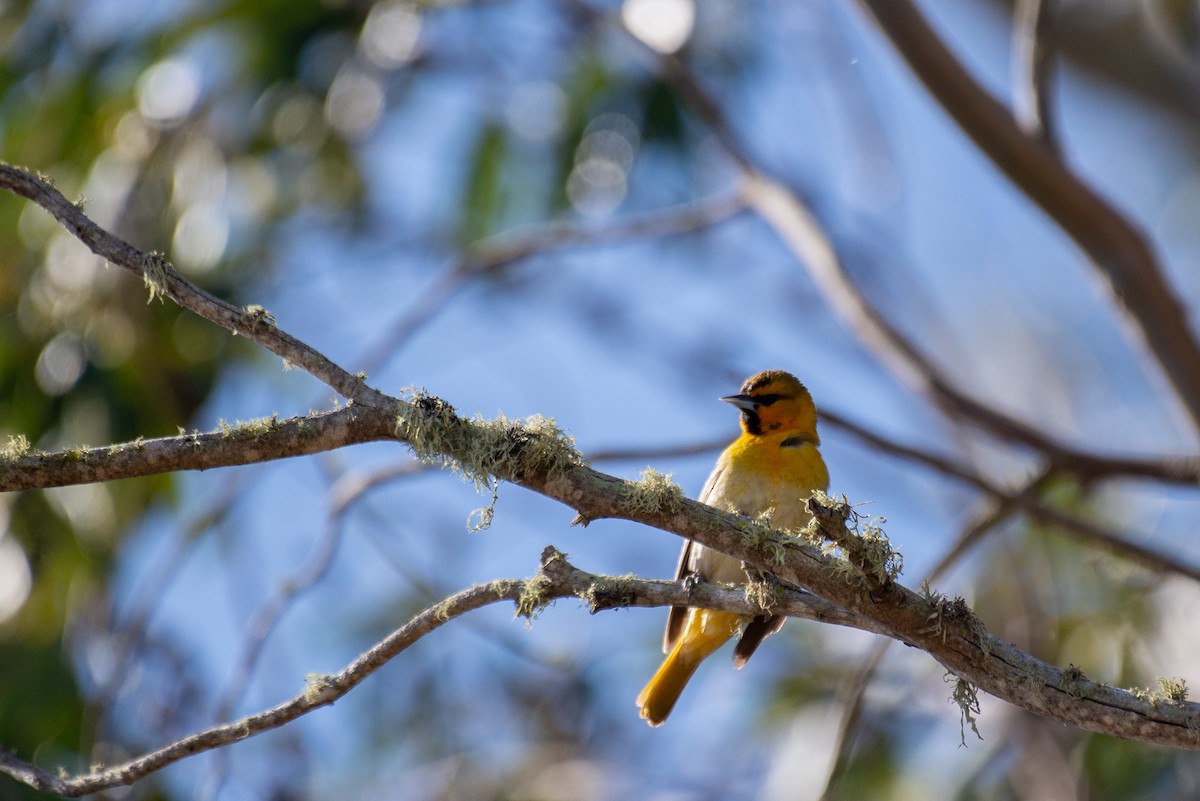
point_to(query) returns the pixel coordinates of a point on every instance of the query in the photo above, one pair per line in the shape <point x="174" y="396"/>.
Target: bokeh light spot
<point x="354" y="103"/>
<point x="167" y="91"/>
<point x="536" y="110"/>
<point x="60" y="364"/>
<point x="389" y="36"/>
<point x="664" y="25"/>
<point x="15" y="578"/>
<point x="200" y="237"/>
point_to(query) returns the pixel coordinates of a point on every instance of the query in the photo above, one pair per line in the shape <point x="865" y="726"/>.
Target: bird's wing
<point x="678" y="614"/>
<point x="710" y="486"/>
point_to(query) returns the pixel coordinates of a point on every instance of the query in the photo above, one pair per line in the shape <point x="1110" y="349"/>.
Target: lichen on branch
<point x="483" y="451"/>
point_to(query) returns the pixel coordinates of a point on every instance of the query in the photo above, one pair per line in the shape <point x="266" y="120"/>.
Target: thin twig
<point x="162" y="279"/>
<point x="782" y="208"/>
<point x="1073" y="526"/>
<point x="556" y="579"/>
<point x="1120" y="252"/>
<point x="502" y="251"/>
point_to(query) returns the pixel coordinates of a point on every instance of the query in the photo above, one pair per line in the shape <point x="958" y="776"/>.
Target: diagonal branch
<point x="956" y="638"/>
<point x="555" y="579"/>
<point x="1033" y="61"/>
<point x="1119" y="250"/>
<point x="161" y="278"/>
<point x="782" y="208"/>
<point x="1027" y="500"/>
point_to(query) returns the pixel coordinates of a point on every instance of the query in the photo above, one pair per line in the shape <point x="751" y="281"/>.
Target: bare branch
<point x="160" y="276"/>
<point x="1027" y="500"/>
<point x="789" y="216"/>
<point x="501" y="251"/>
<point x="1119" y="250"/>
<point x="1033" y="61"/>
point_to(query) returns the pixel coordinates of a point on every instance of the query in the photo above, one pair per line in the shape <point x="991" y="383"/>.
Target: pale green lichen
<point x="17" y="446"/>
<point x="247" y="428"/>
<point x="609" y="592"/>
<point x="872" y="551"/>
<point x="485" y="452"/>
<point x="155" y="268"/>
<point x="763" y="593"/>
<point x="441" y="612"/>
<point x="1173" y="689"/>
<point x="655" y="494"/>
<point x="1031" y="678"/>
<point x="1170" y="690"/>
<point x="965" y="695"/>
<point x="255" y="317"/>
<point x="315" y="684"/>
<point x="760" y="533"/>
<point x="533" y="598"/>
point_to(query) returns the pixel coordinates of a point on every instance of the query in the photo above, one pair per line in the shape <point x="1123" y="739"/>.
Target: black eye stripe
<point x="768" y="399"/>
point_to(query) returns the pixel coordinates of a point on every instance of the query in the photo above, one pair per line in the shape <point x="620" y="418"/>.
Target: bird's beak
<point x="743" y="402"/>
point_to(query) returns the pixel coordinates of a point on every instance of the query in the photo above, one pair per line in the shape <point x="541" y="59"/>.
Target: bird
<point x="774" y="466"/>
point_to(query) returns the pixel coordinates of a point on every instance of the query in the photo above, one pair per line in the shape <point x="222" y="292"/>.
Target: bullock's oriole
<point x="773" y="465"/>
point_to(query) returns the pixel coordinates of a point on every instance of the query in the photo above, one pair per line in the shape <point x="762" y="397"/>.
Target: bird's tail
<point x="704" y="632"/>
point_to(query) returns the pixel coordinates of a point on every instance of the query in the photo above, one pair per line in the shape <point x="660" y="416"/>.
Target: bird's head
<point x="775" y="402"/>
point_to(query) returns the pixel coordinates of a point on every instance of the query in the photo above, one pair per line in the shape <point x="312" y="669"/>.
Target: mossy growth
<point x="154" y="275"/>
<point x="965" y="695"/>
<point x="946" y="616"/>
<point x="1170" y="690"/>
<point x="485" y="452"/>
<point x="255" y="316"/>
<point x="1173" y="689"/>
<point x="608" y="592"/>
<point x="533" y="598"/>
<point x="655" y="494"/>
<point x="763" y="592"/>
<point x="315" y="684"/>
<point x="860" y="538"/>
<point x="16" y="447"/>
<point x="248" y="428"/>
<point x="760" y="533"/>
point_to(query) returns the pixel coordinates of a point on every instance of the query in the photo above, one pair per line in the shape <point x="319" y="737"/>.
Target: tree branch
<point x="955" y="637"/>
<point x="161" y="278"/>
<point x="781" y="208"/>
<point x="1120" y="252"/>
<point x="261" y="440"/>
<point x="555" y="579"/>
<point x="496" y="253"/>
<point x="1033" y="59"/>
<point x="1027" y="500"/>
<point x="535" y="455"/>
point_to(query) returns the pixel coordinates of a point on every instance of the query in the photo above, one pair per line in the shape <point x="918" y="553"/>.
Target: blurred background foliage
<point x="332" y="158"/>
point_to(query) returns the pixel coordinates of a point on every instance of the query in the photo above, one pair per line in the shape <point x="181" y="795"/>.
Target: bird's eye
<point x="768" y="399"/>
